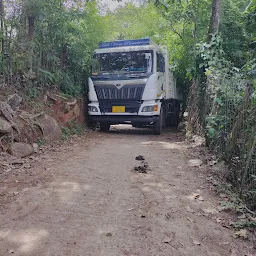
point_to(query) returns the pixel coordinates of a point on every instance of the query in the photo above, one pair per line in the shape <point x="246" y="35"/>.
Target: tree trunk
<point x="215" y="19"/>
<point x="31" y="27"/>
<point x="2" y="29"/>
<point x="193" y="111"/>
<point x="239" y="121"/>
<point x="63" y="57"/>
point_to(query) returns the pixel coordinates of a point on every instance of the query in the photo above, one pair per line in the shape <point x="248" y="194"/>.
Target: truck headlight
<point x="92" y="109"/>
<point x="150" y="108"/>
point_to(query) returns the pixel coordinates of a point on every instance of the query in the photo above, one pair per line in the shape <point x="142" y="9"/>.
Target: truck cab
<point x="131" y="83"/>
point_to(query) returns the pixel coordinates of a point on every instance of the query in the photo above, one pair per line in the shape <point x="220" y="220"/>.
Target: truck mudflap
<point x="134" y="119"/>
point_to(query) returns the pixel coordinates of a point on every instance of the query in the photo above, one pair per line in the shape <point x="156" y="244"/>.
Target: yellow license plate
<point x="118" y="109"/>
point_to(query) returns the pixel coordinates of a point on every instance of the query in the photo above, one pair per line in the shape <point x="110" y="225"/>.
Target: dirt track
<point x="94" y="204"/>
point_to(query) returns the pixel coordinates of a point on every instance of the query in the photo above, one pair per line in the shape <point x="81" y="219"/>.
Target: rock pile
<point x="19" y="130"/>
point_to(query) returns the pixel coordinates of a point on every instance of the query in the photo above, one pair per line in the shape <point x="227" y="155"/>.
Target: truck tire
<point x="177" y="115"/>
<point x="158" y="124"/>
<point x="137" y="125"/>
<point x="177" y="119"/>
<point x="174" y="117"/>
<point x="104" y="127"/>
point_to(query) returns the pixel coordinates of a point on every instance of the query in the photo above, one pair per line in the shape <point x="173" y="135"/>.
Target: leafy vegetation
<point x="70" y="130"/>
<point x="48" y="43"/>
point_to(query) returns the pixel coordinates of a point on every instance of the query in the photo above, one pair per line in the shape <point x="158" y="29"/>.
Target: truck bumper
<point x="114" y="119"/>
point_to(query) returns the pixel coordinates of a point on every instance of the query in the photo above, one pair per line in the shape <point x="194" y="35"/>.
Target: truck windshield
<point x="136" y="61"/>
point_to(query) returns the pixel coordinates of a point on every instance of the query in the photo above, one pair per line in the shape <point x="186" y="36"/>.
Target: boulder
<point x="50" y="128"/>
<point x="198" y="141"/>
<point x="182" y="126"/>
<point x="195" y="162"/>
<point x="6" y="111"/>
<point x="35" y="147"/>
<point x="20" y="149"/>
<point x="185" y="116"/>
<point x="14" y="101"/>
<point x="5" y="126"/>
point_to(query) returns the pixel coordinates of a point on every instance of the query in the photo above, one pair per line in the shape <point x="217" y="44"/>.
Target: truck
<point x="132" y="83"/>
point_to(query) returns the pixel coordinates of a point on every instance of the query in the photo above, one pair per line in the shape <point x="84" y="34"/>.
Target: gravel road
<point x="94" y="203"/>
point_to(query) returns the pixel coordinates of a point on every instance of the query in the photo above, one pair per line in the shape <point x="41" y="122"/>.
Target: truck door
<point x="161" y="74"/>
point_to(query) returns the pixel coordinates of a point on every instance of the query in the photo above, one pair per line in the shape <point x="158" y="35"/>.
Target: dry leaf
<point x="219" y="220"/>
<point x="243" y="216"/>
<point x="190" y="219"/>
<point x="210" y="210"/>
<point x="222" y="195"/>
<point x="241" y="233"/>
<point x="195" y="242"/>
<point x="200" y="198"/>
<point x="196" y="195"/>
<point x="253" y="219"/>
<point x="195" y="162"/>
<point x="167" y="240"/>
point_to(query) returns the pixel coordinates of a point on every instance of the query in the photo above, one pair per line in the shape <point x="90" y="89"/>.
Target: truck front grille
<point x="130" y="106"/>
<point x="127" y="92"/>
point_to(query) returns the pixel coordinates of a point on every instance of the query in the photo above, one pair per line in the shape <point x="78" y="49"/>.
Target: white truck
<point x="131" y="82"/>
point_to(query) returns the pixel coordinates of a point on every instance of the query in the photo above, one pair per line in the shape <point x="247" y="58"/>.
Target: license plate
<point x="118" y="109"/>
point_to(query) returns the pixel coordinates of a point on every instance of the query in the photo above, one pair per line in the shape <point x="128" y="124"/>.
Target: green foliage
<point x="65" y="133"/>
<point x="70" y="130"/>
<point x="64" y="34"/>
<point x="244" y="224"/>
<point x="32" y="92"/>
<point x="233" y="206"/>
<point x="133" y="22"/>
<point x="40" y="141"/>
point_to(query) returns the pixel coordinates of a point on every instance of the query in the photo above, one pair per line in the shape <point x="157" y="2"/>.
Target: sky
<point x="113" y="4"/>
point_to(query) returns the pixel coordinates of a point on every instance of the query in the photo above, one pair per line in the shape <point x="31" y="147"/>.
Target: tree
<point x="2" y="30"/>
<point x="215" y="18"/>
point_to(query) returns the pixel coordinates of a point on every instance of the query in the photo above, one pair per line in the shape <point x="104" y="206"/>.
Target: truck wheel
<point x="158" y="125"/>
<point x="177" y="119"/>
<point x="137" y="125"/>
<point x="104" y="127"/>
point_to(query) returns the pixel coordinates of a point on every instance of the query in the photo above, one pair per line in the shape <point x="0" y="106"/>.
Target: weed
<point x="40" y="141"/>
<point x="232" y="206"/>
<point x="71" y="130"/>
<point x="244" y="224"/>
<point x="66" y="133"/>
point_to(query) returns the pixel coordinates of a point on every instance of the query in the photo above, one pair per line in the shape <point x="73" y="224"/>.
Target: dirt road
<point x="93" y="203"/>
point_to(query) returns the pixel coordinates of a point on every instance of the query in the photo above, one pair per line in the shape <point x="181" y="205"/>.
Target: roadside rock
<point x="35" y="147"/>
<point x="5" y="127"/>
<point x="50" y="128"/>
<point x="6" y="111"/>
<point x="140" y="158"/>
<point x="14" y="101"/>
<point x="195" y="162"/>
<point x="20" y="149"/>
<point x="185" y="116"/>
<point x="197" y="141"/>
<point x="182" y="126"/>
<point x="76" y="111"/>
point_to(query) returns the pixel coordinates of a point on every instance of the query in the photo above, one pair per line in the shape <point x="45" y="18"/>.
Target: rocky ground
<point x="90" y="196"/>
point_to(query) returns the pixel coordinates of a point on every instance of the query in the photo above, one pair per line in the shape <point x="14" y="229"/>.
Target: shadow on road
<point x="129" y="130"/>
